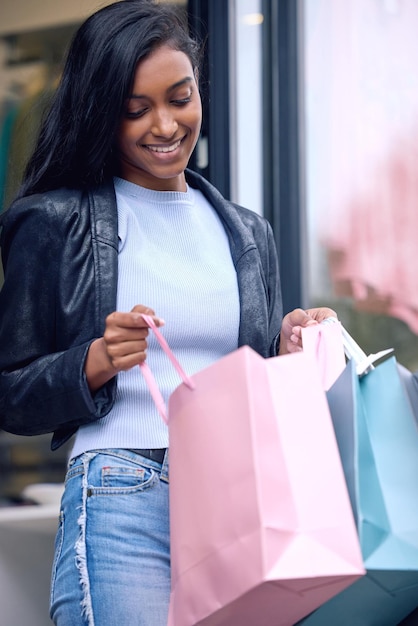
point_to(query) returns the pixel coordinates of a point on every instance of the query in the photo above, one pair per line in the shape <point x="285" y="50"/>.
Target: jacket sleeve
<point x="42" y="383"/>
<point x="259" y="277"/>
<point x="274" y="291"/>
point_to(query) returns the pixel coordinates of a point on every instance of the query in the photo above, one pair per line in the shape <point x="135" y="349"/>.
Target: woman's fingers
<point x="127" y="354"/>
<point x="126" y="335"/>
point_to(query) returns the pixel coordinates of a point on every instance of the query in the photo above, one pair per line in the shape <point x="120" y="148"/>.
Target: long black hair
<point x="74" y="148"/>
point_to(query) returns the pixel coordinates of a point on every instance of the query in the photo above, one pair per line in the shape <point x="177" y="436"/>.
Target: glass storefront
<point x="360" y="115"/>
<point x="246" y="107"/>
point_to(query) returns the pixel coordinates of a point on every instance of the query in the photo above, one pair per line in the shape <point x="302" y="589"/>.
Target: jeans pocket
<point x="116" y="476"/>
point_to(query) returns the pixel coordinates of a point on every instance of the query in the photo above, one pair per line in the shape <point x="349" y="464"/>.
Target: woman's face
<point x="161" y="122"/>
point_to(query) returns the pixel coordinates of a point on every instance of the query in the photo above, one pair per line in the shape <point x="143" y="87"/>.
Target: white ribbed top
<point x="174" y="257"/>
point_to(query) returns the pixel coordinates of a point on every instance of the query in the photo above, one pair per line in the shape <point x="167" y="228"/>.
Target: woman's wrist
<point x="98" y="367"/>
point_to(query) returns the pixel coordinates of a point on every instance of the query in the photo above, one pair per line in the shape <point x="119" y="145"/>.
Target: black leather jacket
<point x="60" y="258"/>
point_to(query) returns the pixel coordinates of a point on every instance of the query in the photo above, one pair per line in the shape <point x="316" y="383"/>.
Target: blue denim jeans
<point x="112" y="554"/>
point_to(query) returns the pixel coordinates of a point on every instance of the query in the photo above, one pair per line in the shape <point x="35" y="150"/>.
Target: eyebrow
<point x="180" y="83"/>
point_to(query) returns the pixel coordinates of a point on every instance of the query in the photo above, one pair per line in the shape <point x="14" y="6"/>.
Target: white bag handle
<point x="352" y="350"/>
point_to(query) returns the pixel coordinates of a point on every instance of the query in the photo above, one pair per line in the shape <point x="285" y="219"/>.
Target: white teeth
<point x="165" y="148"/>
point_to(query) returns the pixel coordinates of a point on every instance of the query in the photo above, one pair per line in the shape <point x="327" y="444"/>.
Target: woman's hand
<point x="293" y="322"/>
<point x="123" y="345"/>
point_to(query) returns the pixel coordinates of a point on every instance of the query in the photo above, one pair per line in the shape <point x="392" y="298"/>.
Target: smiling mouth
<point x="165" y="149"/>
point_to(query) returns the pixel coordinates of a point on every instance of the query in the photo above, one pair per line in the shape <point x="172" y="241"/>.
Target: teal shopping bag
<point x="377" y="436"/>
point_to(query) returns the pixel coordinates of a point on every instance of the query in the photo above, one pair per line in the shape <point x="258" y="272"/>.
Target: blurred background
<point x="311" y="118"/>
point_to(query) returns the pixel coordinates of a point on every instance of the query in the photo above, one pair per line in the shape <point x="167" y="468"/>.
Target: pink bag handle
<point x="149" y="377"/>
<point x="325" y="344"/>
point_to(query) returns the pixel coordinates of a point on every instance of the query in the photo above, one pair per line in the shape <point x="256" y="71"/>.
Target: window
<point x="361" y="163"/>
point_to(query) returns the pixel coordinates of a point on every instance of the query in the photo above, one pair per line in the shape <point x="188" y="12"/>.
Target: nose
<point x="164" y="123"/>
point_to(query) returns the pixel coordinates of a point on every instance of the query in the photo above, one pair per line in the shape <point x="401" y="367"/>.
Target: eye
<point x="182" y="102"/>
<point x="135" y="107"/>
<point x="134" y="114"/>
<point x="182" y="97"/>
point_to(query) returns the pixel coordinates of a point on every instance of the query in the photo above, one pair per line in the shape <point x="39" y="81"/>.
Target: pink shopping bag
<point x="262" y="531"/>
<point x="325" y="343"/>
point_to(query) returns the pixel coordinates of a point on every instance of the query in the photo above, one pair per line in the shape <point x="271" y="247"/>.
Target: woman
<point x="109" y="224"/>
